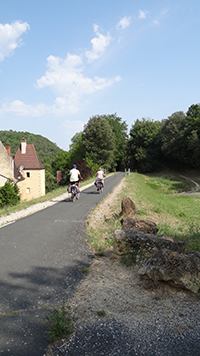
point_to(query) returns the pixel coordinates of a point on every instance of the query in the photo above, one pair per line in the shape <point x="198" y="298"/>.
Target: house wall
<point x="34" y="184"/>
<point x="6" y="165"/>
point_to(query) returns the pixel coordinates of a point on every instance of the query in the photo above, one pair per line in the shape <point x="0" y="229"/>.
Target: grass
<point x="176" y="216"/>
<point x="156" y="199"/>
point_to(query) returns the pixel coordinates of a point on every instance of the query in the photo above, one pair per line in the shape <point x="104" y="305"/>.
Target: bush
<point x="50" y="182"/>
<point x="9" y="194"/>
<point x="93" y="166"/>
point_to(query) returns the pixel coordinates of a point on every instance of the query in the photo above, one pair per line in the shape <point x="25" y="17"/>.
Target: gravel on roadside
<point x="115" y="314"/>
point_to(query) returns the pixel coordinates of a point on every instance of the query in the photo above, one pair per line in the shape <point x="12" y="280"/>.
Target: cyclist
<point x="99" y="176"/>
<point x="75" y="176"/>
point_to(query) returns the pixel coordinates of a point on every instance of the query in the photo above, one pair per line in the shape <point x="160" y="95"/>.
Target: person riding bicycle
<point x="99" y="176"/>
<point x="75" y="176"/>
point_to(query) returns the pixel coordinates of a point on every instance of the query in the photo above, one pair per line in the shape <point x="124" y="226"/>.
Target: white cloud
<point x="66" y="79"/>
<point x="73" y="126"/>
<point x="99" y="45"/>
<point x="124" y="22"/>
<point x="19" y="108"/>
<point x="10" y="37"/>
<point x="163" y="13"/>
<point x="142" y="14"/>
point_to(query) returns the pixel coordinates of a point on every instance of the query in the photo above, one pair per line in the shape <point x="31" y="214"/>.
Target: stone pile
<point x="160" y="258"/>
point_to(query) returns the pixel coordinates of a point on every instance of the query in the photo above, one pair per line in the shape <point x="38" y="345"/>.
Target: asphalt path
<point x="41" y="259"/>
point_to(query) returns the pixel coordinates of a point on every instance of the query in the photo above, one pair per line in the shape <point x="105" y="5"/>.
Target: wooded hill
<point x="44" y="147"/>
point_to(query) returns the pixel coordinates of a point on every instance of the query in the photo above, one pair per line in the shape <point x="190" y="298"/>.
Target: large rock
<point x="179" y="270"/>
<point x="145" y="226"/>
<point x="128" y="208"/>
<point x="142" y="246"/>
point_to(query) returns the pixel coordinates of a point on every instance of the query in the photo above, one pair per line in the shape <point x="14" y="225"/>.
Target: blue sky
<point x="62" y="62"/>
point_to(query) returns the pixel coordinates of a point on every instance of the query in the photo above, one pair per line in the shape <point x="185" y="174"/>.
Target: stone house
<point x="6" y="165"/>
<point x="33" y="171"/>
<point x="8" y="170"/>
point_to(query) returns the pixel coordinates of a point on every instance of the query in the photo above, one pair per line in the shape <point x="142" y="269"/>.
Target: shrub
<point x="9" y="194"/>
<point x="50" y="182"/>
<point x="93" y="166"/>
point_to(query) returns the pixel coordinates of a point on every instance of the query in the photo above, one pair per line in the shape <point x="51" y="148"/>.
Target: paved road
<point x="41" y="257"/>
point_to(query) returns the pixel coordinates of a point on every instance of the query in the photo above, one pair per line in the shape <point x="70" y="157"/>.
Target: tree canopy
<point x="143" y="146"/>
<point x="119" y="129"/>
<point x="174" y="141"/>
<point x="99" y="141"/>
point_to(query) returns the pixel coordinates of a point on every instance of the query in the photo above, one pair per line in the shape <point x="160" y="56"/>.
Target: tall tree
<point x="144" y="145"/>
<point x="62" y="162"/>
<point x="99" y="141"/>
<point x="173" y="132"/>
<point x="192" y="136"/>
<point x="119" y="129"/>
<point x="76" y="149"/>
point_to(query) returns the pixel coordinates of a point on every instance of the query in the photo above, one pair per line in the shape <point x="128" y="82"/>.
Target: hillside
<point x="44" y="147"/>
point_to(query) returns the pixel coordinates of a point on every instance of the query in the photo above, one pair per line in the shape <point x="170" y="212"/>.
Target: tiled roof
<point x="29" y="160"/>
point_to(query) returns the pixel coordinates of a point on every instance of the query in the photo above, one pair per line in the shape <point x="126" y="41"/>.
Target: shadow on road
<point x="26" y="299"/>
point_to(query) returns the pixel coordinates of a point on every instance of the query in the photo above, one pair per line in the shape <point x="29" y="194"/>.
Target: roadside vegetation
<point x="59" y="323"/>
<point x="157" y="198"/>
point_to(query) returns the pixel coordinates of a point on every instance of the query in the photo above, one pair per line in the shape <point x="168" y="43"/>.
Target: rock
<point x="141" y="245"/>
<point x="145" y="226"/>
<point x="128" y="208"/>
<point x="179" y="270"/>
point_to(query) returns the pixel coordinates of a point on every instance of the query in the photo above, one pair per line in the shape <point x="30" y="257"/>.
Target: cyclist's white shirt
<point x="99" y="175"/>
<point x="74" y="175"/>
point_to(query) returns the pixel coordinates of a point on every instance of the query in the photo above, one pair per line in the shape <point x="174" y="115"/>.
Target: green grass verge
<point x="156" y="199"/>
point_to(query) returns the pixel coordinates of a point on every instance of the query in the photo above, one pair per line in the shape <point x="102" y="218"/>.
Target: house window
<point x="27" y="190"/>
<point x="28" y="174"/>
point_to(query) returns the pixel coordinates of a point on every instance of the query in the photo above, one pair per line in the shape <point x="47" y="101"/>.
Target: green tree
<point x="119" y="129"/>
<point x="192" y="136"/>
<point x="144" y="144"/>
<point x="76" y="148"/>
<point x="194" y="111"/>
<point x="173" y="131"/>
<point x="99" y="142"/>
<point x="62" y="161"/>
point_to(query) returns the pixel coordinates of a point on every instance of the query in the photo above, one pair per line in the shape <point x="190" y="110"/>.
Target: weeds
<point x="101" y="313"/>
<point x="59" y="324"/>
<point x="84" y="270"/>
